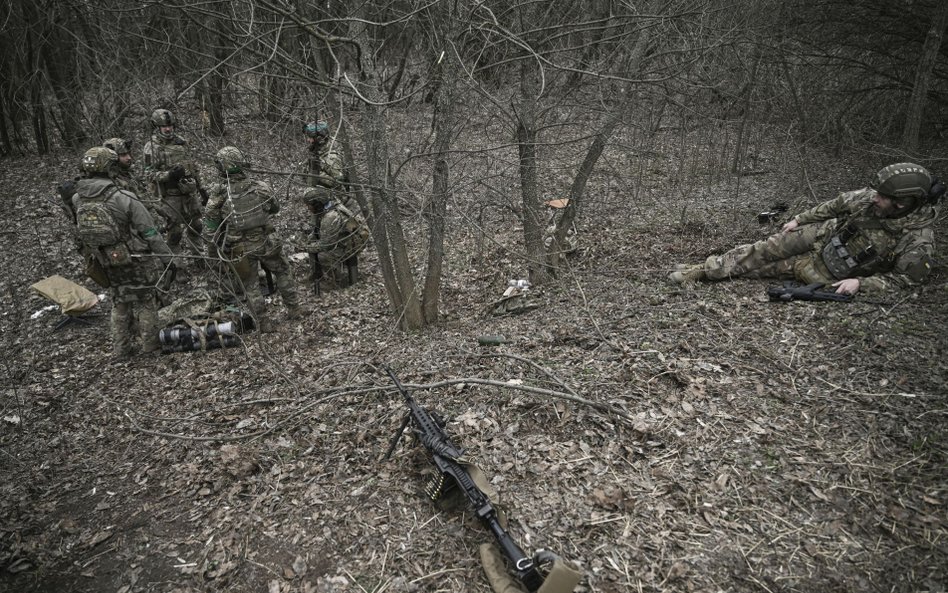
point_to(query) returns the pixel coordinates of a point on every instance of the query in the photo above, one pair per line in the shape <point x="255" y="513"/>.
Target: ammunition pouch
<point x="840" y="262"/>
<point x="96" y="272"/>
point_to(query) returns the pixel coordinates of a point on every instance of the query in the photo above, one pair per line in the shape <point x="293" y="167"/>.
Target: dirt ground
<point x="663" y="438"/>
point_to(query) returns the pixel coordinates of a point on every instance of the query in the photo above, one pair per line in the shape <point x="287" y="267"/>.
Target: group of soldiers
<point x="872" y="239"/>
<point x="224" y="230"/>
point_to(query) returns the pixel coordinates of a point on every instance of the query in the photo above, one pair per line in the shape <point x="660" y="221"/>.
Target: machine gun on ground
<point x="455" y="472"/>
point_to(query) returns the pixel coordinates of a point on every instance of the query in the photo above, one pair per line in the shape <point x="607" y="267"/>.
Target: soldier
<point x="874" y="239"/>
<point x="342" y="236"/>
<point x="323" y="164"/>
<point x="237" y="219"/>
<point x="174" y="180"/>
<point x="119" y="234"/>
<point x="126" y="178"/>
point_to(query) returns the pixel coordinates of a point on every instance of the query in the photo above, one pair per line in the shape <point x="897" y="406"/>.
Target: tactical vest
<point x="861" y="246"/>
<point x="245" y="207"/>
<point x="165" y="155"/>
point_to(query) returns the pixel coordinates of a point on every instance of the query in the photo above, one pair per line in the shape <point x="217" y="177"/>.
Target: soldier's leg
<point x="174" y="221"/>
<point x="352" y="269"/>
<point x="121" y="326"/>
<point x="147" y="313"/>
<point x="194" y="224"/>
<point x="764" y="259"/>
<point x="276" y="261"/>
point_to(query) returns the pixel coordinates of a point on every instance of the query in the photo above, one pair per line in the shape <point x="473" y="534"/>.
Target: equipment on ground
<point x="792" y="291"/>
<point x="458" y="473"/>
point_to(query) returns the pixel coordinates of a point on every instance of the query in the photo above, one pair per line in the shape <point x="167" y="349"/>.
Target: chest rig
<point x="861" y="246"/>
<point x="166" y="156"/>
<point x="245" y="207"/>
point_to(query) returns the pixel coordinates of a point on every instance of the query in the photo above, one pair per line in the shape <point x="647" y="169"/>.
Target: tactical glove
<point x="176" y="174"/>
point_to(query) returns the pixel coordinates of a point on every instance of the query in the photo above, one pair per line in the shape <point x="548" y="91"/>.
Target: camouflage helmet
<point x="162" y="117"/>
<point x="98" y="160"/>
<point x="317" y="198"/>
<point x="119" y="145"/>
<point x="316" y="129"/>
<point x="903" y="182"/>
<point x="230" y="160"/>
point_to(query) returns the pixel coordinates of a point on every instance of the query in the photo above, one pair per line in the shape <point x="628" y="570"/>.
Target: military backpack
<point x="96" y="223"/>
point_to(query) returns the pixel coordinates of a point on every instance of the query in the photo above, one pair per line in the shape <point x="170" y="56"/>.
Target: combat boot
<point x="685" y="274"/>
<point x="294" y="312"/>
<point x="265" y="324"/>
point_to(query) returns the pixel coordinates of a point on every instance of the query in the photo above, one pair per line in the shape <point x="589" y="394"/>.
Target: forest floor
<point x="751" y="446"/>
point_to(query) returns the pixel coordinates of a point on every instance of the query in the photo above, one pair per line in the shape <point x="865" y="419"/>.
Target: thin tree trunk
<point x="923" y="78"/>
<point x="444" y="120"/>
<point x="529" y="179"/>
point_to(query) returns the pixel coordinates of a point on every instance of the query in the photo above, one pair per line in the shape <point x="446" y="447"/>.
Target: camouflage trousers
<point x="247" y="253"/>
<point x="134" y="313"/>
<point x="779" y="256"/>
<point x="182" y="214"/>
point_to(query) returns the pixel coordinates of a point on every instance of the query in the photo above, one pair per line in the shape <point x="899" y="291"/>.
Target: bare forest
<point x="694" y="438"/>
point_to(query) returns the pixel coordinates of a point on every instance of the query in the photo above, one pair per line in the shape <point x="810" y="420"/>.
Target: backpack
<point x="97" y="226"/>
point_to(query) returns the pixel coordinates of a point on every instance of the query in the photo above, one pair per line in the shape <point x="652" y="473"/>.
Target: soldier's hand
<point x="176" y="174"/>
<point x="791" y="226"/>
<point x="847" y="286"/>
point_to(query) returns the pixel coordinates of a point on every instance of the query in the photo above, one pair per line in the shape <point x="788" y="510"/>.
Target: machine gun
<point x="791" y="291"/>
<point x="450" y="463"/>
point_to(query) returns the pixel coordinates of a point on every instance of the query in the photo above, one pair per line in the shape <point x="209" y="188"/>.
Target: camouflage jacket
<point x="324" y="168"/>
<point x="901" y="248"/>
<point x="342" y="233"/>
<point x="160" y="155"/>
<point x="136" y="224"/>
<point x="125" y="180"/>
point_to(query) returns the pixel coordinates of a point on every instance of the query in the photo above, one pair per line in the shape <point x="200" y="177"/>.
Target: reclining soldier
<point x="873" y="239"/>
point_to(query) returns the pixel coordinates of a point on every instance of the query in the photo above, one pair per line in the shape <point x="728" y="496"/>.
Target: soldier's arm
<point x="844" y="204"/>
<point x="144" y="225"/>
<point x="213" y="210"/>
<point x="331" y="172"/>
<point x="913" y="264"/>
<point x="154" y="171"/>
<point x="266" y="192"/>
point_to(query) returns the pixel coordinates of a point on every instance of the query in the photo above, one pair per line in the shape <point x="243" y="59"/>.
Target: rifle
<point x="448" y="458"/>
<point x="314" y="261"/>
<point x="791" y="291"/>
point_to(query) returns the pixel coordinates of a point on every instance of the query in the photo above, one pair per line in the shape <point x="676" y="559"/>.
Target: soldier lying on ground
<point x="874" y="239"/>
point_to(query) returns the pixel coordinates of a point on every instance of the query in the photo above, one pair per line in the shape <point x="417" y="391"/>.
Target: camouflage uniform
<point x="324" y="171"/>
<point x="342" y="236"/>
<point x="179" y="202"/>
<point x="883" y="253"/>
<point x="132" y="280"/>
<point x="237" y="217"/>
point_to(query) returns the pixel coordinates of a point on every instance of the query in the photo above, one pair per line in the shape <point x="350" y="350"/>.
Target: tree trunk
<point x="923" y="79"/>
<point x="387" y="230"/>
<point x="444" y="121"/>
<point x="529" y="185"/>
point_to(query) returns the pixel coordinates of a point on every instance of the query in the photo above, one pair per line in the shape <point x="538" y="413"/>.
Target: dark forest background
<point x="554" y="80"/>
